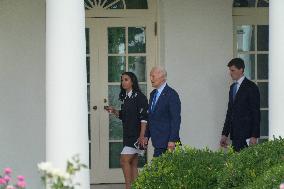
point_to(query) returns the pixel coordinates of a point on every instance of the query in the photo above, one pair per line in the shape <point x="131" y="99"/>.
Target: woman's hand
<point x="143" y="141"/>
<point x="111" y="110"/>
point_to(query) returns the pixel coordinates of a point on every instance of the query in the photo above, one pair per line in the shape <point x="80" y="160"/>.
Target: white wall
<point x="196" y="44"/>
<point x="22" y="87"/>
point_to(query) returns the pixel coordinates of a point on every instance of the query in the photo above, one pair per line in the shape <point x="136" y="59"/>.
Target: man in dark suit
<point x="243" y="113"/>
<point x="164" y="113"/>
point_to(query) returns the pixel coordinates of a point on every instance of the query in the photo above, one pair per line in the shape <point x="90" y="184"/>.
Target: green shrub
<point x="244" y="167"/>
<point x="189" y="168"/>
<point x="269" y="179"/>
<point x="184" y="168"/>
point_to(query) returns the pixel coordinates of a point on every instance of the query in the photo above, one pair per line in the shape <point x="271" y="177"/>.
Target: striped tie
<point x="154" y="101"/>
<point x="235" y="88"/>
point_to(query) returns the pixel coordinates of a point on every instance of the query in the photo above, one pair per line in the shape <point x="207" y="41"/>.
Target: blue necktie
<point x="154" y="101"/>
<point x="235" y="88"/>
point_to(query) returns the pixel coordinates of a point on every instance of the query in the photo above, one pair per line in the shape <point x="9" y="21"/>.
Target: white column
<point x="276" y="68"/>
<point x="66" y="96"/>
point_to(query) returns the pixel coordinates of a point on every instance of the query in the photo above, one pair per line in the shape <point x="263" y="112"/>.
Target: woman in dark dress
<point x="133" y="114"/>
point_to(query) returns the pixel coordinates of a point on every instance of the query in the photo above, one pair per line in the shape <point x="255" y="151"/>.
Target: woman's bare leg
<point x="125" y="162"/>
<point x="134" y="165"/>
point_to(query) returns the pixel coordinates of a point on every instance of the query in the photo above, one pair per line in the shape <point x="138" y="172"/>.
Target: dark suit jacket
<point x="243" y="114"/>
<point x="164" y="121"/>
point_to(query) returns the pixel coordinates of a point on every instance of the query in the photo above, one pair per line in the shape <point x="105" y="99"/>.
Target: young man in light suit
<point x="164" y="114"/>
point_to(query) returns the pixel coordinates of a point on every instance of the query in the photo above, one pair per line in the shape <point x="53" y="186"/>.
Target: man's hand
<point x="224" y="141"/>
<point x="171" y="146"/>
<point x="253" y="141"/>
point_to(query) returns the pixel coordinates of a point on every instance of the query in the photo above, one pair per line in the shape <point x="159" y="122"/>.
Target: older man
<point x="164" y="113"/>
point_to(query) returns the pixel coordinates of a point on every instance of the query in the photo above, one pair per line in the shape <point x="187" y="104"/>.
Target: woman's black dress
<point x="133" y="110"/>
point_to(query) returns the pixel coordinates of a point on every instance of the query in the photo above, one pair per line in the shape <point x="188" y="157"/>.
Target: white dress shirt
<point x="160" y="89"/>
<point x="239" y="82"/>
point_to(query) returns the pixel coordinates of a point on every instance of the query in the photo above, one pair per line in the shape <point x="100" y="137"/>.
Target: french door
<point x="114" y="45"/>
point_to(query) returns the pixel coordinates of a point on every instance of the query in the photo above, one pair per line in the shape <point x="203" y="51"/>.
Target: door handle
<point x="95" y="107"/>
<point x="106" y="107"/>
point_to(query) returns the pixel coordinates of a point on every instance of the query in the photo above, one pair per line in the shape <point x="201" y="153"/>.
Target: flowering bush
<point x="7" y="178"/>
<point x="58" y="179"/>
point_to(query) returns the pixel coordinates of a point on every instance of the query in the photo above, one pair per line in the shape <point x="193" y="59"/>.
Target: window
<point x="251" y="3"/>
<point x="251" y="44"/>
<point x="116" y="4"/>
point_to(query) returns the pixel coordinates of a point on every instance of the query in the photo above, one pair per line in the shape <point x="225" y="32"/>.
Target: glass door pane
<point x="123" y="58"/>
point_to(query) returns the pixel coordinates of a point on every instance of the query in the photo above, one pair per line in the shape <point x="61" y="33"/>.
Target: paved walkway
<point x="107" y="186"/>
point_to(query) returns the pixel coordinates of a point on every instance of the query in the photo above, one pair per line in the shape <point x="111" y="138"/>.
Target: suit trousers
<point x="159" y="151"/>
<point x="239" y="144"/>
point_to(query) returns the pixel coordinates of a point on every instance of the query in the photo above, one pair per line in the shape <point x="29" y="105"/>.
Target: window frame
<point x="98" y="12"/>
<point x="251" y="16"/>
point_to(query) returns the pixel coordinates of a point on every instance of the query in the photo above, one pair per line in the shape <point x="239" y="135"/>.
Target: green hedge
<point x="191" y="168"/>
<point x="244" y="167"/>
<point x="269" y="179"/>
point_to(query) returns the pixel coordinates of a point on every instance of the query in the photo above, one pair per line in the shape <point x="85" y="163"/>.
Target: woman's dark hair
<point x="135" y="86"/>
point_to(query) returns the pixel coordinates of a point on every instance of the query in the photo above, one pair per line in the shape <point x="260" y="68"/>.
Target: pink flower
<point x="10" y="187"/>
<point x="2" y="181"/>
<point x="7" y="178"/>
<point x="21" y="178"/>
<point x="7" y="171"/>
<point x="21" y="184"/>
